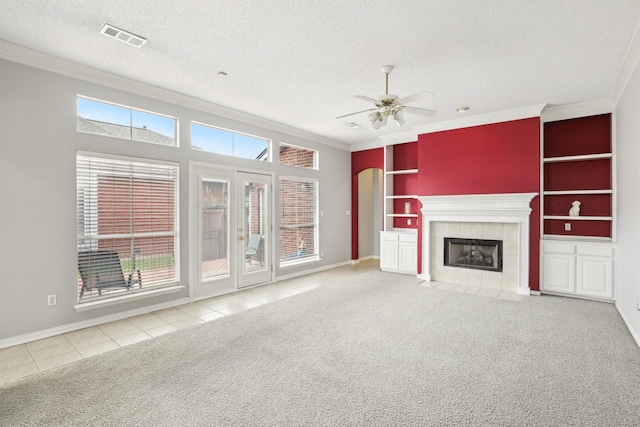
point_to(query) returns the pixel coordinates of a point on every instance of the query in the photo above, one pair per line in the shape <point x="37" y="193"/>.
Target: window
<point x="291" y="155"/>
<point x="123" y="122"/>
<point x="222" y="141"/>
<point x="298" y="220"/>
<point x="127" y="220"/>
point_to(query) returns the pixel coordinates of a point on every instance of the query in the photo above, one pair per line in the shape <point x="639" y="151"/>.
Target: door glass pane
<point x="214" y="228"/>
<point x="255" y="196"/>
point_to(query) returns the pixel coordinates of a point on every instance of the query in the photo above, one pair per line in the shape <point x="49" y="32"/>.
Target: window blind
<point x="127" y="213"/>
<point x="298" y="218"/>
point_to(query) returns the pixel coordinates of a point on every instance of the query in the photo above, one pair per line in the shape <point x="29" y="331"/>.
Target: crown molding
<point x="361" y="146"/>
<point x="483" y="119"/>
<point x="32" y="58"/>
<point x="572" y="111"/>
<point x="631" y="59"/>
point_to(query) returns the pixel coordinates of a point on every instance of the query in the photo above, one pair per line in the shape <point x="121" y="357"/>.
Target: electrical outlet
<point x="567" y="226"/>
<point x="52" y="300"/>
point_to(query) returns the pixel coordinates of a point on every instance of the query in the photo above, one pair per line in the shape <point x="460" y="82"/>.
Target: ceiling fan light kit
<point x="392" y="105"/>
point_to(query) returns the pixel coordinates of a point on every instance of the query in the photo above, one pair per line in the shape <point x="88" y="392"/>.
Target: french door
<point x="231" y="228"/>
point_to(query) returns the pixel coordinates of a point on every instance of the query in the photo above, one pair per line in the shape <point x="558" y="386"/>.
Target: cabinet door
<point x="407" y="257"/>
<point x="559" y="273"/>
<point x="595" y="276"/>
<point x="389" y="255"/>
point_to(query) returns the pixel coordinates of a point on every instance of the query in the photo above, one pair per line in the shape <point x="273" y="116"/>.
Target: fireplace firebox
<point x="477" y="254"/>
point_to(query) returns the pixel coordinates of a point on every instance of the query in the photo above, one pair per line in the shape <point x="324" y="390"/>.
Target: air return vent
<point x="123" y="36"/>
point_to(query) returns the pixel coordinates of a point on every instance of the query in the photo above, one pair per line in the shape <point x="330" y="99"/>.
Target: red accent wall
<point x="488" y="159"/>
<point x="361" y="160"/>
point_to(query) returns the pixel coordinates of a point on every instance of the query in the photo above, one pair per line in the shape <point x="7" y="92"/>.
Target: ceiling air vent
<point x="123" y="36"/>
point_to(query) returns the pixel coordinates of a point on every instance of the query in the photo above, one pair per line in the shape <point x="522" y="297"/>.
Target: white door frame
<point x="223" y="285"/>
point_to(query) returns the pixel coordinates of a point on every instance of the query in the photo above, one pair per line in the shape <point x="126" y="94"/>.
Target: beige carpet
<point x="373" y="349"/>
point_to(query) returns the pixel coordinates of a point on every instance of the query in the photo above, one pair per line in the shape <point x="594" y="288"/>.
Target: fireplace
<point x="490" y="215"/>
<point x="479" y="254"/>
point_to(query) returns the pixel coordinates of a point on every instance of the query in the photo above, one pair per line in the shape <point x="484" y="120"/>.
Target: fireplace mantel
<point x="499" y="208"/>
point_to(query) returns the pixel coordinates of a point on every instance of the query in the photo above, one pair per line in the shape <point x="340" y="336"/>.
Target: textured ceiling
<point x="299" y="62"/>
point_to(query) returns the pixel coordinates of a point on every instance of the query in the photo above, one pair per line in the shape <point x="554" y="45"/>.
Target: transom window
<point x="102" y="118"/>
<point x="300" y="157"/>
<point x="229" y="143"/>
<point x="127" y="221"/>
<point x="298" y="220"/>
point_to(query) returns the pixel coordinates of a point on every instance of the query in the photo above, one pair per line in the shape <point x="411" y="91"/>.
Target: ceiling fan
<point x="392" y="105"/>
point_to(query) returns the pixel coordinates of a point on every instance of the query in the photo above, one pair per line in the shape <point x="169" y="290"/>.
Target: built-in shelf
<point x="578" y="192"/>
<point x="402" y="172"/>
<point x="578" y="218"/>
<point x="408" y="196"/>
<point x="577" y="158"/>
<point x="595" y="239"/>
<point x="403" y="215"/>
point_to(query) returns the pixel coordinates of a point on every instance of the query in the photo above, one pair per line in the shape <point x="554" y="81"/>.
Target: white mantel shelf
<point x="500" y="208"/>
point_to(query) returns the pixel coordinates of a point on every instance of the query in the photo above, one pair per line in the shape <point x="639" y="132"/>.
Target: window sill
<point x="297" y="262"/>
<point x="92" y="305"/>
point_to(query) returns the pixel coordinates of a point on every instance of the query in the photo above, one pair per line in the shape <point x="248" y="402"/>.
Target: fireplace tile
<point x="510" y="248"/>
<point x="471" y="230"/>
<point x="492" y="231"/>
<point x="510" y="232"/>
<point x="510" y="282"/>
<point x="510" y="264"/>
<point x="450" y="275"/>
<point x="438" y="229"/>
<point x="452" y="229"/>
<point x="493" y="293"/>
<point x="471" y="277"/>
<point x="472" y="290"/>
<point x="511" y="296"/>
<point x="491" y="280"/>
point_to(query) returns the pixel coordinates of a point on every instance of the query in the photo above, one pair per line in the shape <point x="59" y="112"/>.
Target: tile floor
<point x="26" y="359"/>
<point x="485" y="292"/>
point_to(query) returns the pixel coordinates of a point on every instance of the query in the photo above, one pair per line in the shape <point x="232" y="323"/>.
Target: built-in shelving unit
<point x="577" y="165"/>
<point x="578" y="252"/>
<point x="399" y="186"/>
<point x="399" y="240"/>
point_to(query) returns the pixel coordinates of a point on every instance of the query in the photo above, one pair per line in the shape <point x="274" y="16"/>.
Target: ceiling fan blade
<point x="366" y="98"/>
<point x="358" y="112"/>
<point x="415" y="97"/>
<point x="421" y="111"/>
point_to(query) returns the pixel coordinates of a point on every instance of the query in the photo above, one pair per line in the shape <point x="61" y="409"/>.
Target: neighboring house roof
<point x="120" y="131"/>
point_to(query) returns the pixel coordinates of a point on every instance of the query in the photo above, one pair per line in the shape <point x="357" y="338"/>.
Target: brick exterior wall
<point x="149" y="209"/>
<point x="295" y="156"/>
<point x="297" y="207"/>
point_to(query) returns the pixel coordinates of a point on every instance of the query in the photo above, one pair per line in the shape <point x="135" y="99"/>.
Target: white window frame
<point x="122" y="295"/>
<point x="131" y="110"/>
<point x="268" y="150"/>
<point x="316" y="156"/>
<point x="316" y="218"/>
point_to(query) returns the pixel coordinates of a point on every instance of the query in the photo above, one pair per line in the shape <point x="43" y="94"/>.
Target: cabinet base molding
<point x="585" y="297"/>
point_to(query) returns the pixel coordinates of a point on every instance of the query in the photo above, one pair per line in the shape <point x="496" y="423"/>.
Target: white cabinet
<point x="399" y="251"/>
<point x="578" y="268"/>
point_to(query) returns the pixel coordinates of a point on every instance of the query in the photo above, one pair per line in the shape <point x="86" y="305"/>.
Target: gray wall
<point x="369" y="212"/>
<point x="628" y="203"/>
<point x="38" y="147"/>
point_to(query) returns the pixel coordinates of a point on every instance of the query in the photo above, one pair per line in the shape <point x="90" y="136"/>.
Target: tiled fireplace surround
<point x="484" y="216"/>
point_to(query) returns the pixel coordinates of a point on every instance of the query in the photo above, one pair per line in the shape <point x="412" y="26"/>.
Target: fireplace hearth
<point x="477" y="254"/>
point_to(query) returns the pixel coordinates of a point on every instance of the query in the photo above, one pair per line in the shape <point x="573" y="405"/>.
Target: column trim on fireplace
<point x="499" y="208"/>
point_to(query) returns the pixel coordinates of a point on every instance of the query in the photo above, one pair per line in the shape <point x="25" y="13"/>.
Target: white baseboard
<point x="63" y="329"/>
<point x="311" y="271"/>
<point x="626" y="322"/>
